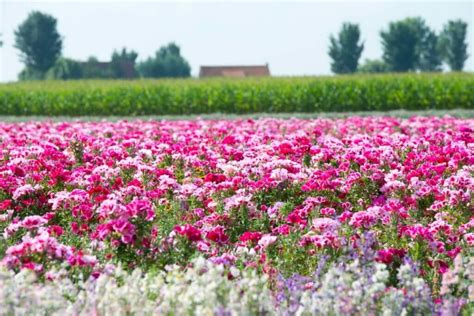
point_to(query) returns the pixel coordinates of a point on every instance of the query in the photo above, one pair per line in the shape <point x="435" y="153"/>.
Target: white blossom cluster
<point x="205" y="288"/>
<point x="202" y="289"/>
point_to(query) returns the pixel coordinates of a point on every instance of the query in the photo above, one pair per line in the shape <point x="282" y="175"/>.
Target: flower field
<point x="355" y="215"/>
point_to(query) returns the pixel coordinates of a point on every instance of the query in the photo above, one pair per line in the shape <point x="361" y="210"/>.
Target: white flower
<point x="234" y="271"/>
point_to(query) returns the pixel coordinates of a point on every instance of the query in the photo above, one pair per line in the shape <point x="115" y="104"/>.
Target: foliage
<point x="373" y="66"/>
<point x="117" y="63"/>
<point x="401" y="43"/>
<point x="430" y="58"/>
<point x="345" y="51"/>
<point x="121" y="66"/>
<point x="167" y="63"/>
<point x="453" y="44"/>
<point x="65" y="69"/>
<point x="271" y="95"/>
<point x="39" y="42"/>
<point x="30" y="74"/>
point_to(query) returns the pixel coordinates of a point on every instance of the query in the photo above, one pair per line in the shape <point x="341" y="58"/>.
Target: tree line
<point x="40" y="46"/>
<point x="408" y="45"/>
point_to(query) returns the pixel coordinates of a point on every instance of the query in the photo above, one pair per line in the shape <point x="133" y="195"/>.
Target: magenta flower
<point x="189" y="231"/>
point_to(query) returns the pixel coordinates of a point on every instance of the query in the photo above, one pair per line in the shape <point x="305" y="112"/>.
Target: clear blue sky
<point x="291" y="36"/>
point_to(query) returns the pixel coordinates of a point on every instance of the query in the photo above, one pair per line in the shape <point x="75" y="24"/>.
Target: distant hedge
<point x="252" y="95"/>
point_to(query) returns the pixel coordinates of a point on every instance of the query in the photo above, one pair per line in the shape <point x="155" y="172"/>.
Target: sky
<point x="291" y="36"/>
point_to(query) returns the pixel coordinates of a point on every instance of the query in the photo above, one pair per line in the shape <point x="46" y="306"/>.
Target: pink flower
<point x="217" y="235"/>
<point x="279" y="174"/>
<point x="55" y="230"/>
<point x="199" y="212"/>
<point x="140" y="207"/>
<point x="282" y="230"/>
<point x="250" y="236"/>
<point x="121" y="226"/>
<point x="325" y="224"/>
<point x="191" y="232"/>
<point x="469" y="237"/>
<point x="296" y="218"/>
<point x="319" y="241"/>
<point x="33" y="221"/>
<point x="387" y="255"/>
<point x="327" y="211"/>
<point x="267" y="240"/>
<point x="416" y="231"/>
<point x="363" y="219"/>
<point x="203" y="246"/>
<point x="127" y="239"/>
<point x="345" y="216"/>
<point x="285" y="148"/>
<point x="216" y="178"/>
<point x="5" y="204"/>
<point x="22" y="191"/>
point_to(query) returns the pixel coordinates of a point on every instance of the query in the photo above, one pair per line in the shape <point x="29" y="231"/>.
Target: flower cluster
<point x="268" y="195"/>
<point x="358" y="288"/>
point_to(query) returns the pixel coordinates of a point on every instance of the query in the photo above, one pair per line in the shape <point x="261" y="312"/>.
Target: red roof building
<point x="234" y="71"/>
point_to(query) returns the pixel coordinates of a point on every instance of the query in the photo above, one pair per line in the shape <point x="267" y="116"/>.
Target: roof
<point x="234" y="71"/>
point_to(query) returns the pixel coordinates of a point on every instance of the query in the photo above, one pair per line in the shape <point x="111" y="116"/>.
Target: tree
<point x="39" y="42"/>
<point x="429" y="56"/>
<point x="65" y="69"/>
<point x="167" y="62"/>
<point x="402" y="44"/>
<point x="124" y="55"/>
<point x="345" y="51"/>
<point x="120" y="61"/>
<point x="1" y="42"/>
<point x="30" y="74"/>
<point x="453" y="44"/>
<point x="373" y="66"/>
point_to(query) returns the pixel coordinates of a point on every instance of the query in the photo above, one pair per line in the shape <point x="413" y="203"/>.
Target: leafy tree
<point x="401" y="44"/>
<point x="167" y="62"/>
<point x="345" y="50"/>
<point x="39" y="42"/>
<point x="65" y="69"/>
<point x="92" y="59"/>
<point x="453" y="45"/>
<point x="429" y="55"/>
<point x="31" y="74"/>
<point x="120" y="60"/>
<point x="373" y="66"/>
<point x="124" y="55"/>
<point x="1" y="42"/>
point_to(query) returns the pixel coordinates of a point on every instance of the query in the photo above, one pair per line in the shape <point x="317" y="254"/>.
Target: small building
<point x="234" y="71"/>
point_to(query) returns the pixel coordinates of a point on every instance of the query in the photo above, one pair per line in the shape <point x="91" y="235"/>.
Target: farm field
<point x="351" y="93"/>
<point x="337" y="215"/>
